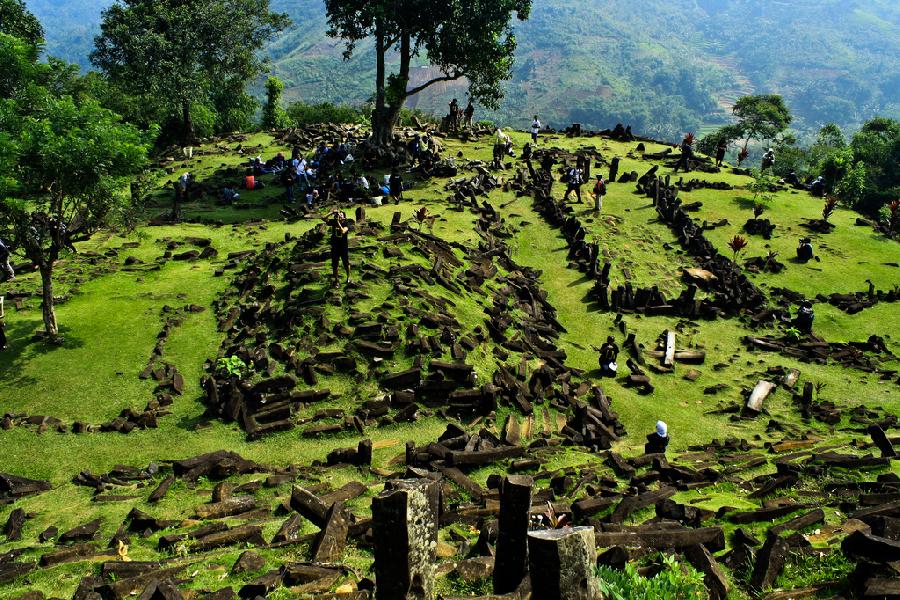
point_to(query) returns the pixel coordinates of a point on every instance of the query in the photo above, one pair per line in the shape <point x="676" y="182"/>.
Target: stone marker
<point x="404" y="527"/>
<point x="561" y="564"/>
<point x="329" y="545"/>
<point x="511" y="564"/>
<point x="759" y="395"/>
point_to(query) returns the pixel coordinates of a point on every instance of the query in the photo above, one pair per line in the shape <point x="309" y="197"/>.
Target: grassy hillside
<point x="665" y="67"/>
<point x="118" y="285"/>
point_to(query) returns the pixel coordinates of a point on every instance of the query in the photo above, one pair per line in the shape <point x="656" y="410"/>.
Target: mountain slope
<point x="664" y="67"/>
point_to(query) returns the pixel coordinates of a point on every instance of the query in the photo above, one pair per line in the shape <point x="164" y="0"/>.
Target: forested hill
<point x="665" y="66"/>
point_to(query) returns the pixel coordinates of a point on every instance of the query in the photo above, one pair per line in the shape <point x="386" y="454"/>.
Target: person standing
<point x="574" y="179"/>
<point x="599" y="192"/>
<point x="687" y="153"/>
<point x="5" y="265"/>
<point x="340" y="243"/>
<point x="395" y="184"/>
<point x="454" y="115"/>
<point x="470" y="113"/>
<point x="721" y="149"/>
<point x="535" y="129"/>
<point x="768" y="160"/>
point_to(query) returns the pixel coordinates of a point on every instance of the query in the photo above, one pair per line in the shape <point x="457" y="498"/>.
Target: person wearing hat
<point x="599" y="192"/>
<point x="658" y="441"/>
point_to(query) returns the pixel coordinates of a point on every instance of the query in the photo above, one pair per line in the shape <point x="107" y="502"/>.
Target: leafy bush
<point x="301" y="113"/>
<point x="675" y="582"/>
<point x="232" y="366"/>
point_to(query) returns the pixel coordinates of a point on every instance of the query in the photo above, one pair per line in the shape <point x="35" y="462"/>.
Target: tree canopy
<point x="184" y="51"/>
<point x="65" y="161"/>
<point x="472" y="40"/>
<point x="17" y="21"/>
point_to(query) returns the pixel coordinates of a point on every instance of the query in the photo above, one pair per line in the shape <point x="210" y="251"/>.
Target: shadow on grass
<point x="581" y="281"/>
<point x="23" y="346"/>
<point x="744" y="202"/>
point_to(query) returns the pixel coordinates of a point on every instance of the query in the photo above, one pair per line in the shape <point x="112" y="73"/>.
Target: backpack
<point x="600" y="188"/>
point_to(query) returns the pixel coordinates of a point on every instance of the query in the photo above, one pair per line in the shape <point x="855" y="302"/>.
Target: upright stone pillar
<point x="405" y="528"/>
<point x="511" y="564"/>
<point x="562" y="563"/>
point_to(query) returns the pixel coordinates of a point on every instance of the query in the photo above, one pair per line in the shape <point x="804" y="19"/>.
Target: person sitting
<point x="805" y="250"/>
<point x="792" y="179"/>
<point x="817" y="187"/>
<point x="229" y="195"/>
<point x="805" y="317"/>
<point x="5" y="265"/>
<point x="312" y="198"/>
<point x="609" y="353"/>
<point x="658" y="441"/>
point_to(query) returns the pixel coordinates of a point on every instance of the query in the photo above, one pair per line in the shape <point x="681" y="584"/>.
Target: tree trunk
<point x="379" y="135"/>
<point x="187" y="123"/>
<point x="385" y="117"/>
<point x="49" y="312"/>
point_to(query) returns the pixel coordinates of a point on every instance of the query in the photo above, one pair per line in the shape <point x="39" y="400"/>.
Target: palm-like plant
<point x="828" y="209"/>
<point x="758" y="210"/>
<point x="743" y="154"/>
<point x="737" y="244"/>
<point x="894" y="216"/>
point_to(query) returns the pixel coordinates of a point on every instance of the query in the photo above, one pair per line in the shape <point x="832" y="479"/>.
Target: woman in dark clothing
<point x="658" y="441"/>
<point x="340" y="243"/>
<point x="395" y="183"/>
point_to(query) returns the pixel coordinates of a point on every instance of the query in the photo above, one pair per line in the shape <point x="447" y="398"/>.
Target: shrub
<point x="301" y="113"/>
<point x="675" y="582"/>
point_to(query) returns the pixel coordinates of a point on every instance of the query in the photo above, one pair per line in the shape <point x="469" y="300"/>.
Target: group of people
<point x="460" y="117"/>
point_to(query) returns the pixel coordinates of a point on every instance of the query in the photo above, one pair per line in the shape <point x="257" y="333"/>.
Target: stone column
<point x="562" y="564"/>
<point x="511" y="564"/>
<point x="404" y="526"/>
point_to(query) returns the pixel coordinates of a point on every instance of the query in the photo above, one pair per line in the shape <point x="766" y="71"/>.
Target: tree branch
<point x="427" y="84"/>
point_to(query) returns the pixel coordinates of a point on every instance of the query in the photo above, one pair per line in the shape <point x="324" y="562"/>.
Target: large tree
<point x="17" y="21"/>
<point x="761" y="117"/>
<point x="470" y="39"/>
<point x="66" y="165"/>
<point x="183" y="51"/>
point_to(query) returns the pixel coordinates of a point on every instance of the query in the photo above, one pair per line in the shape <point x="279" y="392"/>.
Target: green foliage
<point x="274" y="116"/>
<point x="877" y="146"/>
<point x="460" y="39"/>
<point x="805" y="570"/>
<point x="675" y="582"/>
<point x="234" y="107"/>
<point x="17" y="21"/>
<point x="232" y="366"/>
<point x="301" y="113"/>
<point x="762" y="187"/>
<point x="792" y="334"/>
<point x="761" y="117"/>
<point x="182" y="52"/>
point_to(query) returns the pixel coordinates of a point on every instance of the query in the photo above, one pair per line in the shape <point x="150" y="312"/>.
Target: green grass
<point x="113" y="315"/>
